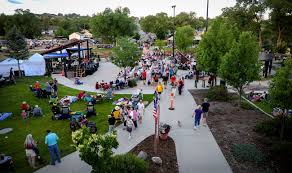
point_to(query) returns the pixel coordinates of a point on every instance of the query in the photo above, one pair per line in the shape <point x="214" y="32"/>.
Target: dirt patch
<point x="232" y="125"/>
<point x="166" y="151"/>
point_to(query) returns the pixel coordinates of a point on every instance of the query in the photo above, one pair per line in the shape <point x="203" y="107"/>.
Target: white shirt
<point x="141" y="106"/>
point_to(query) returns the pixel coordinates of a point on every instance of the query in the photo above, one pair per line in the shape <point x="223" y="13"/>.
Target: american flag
<point x="155" y="114"/>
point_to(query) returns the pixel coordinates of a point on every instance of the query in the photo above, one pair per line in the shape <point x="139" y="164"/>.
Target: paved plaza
<point x="197" y="151"/>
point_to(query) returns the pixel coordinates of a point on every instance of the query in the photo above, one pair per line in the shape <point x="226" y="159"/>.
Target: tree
<point x="247" y="15"/>
<point x="160" y="24"/>
<point x="160" y="44"/>
<point x="281" y="19"/>
<point x="214" y="45"/>
<point x="184" y="37"/>
<point x="240" y="65"/>
<point x="17" y="45"/>
<point x="126" y="53"/>
<point x="109" y="25"/>
<point x="280" y="91"/>
<point x="184" y="19"/>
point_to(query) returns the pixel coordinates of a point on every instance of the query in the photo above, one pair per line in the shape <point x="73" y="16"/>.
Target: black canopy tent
<point x="70" y="51"/>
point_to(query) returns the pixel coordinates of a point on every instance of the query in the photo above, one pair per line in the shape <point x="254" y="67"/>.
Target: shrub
<point x="128" y="163"/>
<point x="218" y="93"/>
<point x="246" y="105"/>
<point x="272" y="128"/>
<point x="282" y="153"/>
<point x="247" y="152"/>
<point x="132" y="83"/>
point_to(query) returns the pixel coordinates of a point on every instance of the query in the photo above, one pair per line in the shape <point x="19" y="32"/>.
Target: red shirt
<point x="173" y="78"/>
<point x="144" y="74"/>
<point x="37" y="86"/>
<point x="24" y="106"/>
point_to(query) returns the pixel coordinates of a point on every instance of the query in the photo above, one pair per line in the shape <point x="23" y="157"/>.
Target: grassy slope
<point x="11" y="97"/>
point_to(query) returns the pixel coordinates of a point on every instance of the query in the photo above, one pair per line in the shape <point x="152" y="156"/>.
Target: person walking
<point x="51" y="140"/>
<point x="111" y="123"/>
<point x="205" y="108"/>
<point x="141" y="109"/>
<point x="197" y="114"/>
<point x="159" y="89"/>
<point x="129" y="124"/>
<point x="29" y="145"/>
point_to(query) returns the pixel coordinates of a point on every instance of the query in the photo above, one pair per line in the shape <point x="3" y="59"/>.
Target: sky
<point x="138" y="8"/>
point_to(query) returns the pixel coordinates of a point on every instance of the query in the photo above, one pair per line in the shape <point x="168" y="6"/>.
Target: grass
<point x="264" y="105"/>
<point x="12" y="143"/>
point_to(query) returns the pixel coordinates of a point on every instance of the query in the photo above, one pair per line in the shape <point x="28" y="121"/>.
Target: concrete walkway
<point x="197" y="151"/>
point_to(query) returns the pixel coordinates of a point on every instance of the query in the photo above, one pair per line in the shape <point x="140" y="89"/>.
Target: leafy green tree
<point x="109" y="25"/>
<point x="160" y="24"/>
<point x="184" y="37"/>
<point x="26" y="22"/>
<point x="247" y="15"/>
<point x="17" y="45"/>
<point x="125" y="53"/>
<point x="214" y="45"/>
<point x="281" y="21"/>
<point x="280" y="91"/>
<point x="184" y="19"/>
<point x="160" y="44"/>
<point x="240" y="65"/>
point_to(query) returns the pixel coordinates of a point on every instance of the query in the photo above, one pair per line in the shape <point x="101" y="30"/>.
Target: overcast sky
<point x="138" y="8"/>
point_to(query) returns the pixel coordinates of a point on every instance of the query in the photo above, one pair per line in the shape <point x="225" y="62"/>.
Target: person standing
<point x="141" y="109"/>
<point x="144" y="75"/>
<point x="205" y="108"/>
<point x="197" y="78"/>
<point x="197" y="114"/>
<point x="29" y="145"/>
<point x="55" y="86"/>
<point x="270" y="56"/>
<point x="111" y="123"/>
<point x="11" y="76"/>
<point x="51" y="140"/>
<point x="129" y="124"/>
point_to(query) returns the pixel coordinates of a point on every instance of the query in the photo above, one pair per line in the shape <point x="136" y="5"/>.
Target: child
<point x="197" y="114"/>
<point x="111" y="123"/>
<point x="129" y="124"/>
<point x="24" y="114"/>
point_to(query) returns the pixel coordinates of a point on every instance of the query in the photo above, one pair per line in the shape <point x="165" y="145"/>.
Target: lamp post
<point x="207" y="16"/>
<point x="173" y="30"/>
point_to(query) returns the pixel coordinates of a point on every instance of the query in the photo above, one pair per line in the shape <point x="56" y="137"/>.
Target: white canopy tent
<point x="35" y="66"/>
<point x="10" y="63"/>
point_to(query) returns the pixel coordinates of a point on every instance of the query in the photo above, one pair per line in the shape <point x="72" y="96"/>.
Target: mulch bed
<point x="231" y="125"/>
<point x="166" y="151"/>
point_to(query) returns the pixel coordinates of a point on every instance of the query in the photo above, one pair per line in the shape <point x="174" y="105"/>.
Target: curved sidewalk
<point x="197" y="151"/>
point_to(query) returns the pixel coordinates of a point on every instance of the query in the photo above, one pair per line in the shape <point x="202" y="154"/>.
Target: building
<point x="86" y="33"/>
<point x="76" y="35"/>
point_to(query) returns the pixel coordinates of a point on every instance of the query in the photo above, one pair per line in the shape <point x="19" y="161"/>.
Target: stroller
<point x="6" y="163"/>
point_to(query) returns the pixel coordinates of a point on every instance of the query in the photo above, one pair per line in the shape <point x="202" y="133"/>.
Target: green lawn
<point x="12" y="96"/>
<point x="264" y="105"/>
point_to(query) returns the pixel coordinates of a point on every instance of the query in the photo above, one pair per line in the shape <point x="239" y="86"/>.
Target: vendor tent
<point x="35" y="65"/>
<point x="7" y="64"/>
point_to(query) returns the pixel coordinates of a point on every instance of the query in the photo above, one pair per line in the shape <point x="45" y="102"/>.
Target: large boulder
<point x="142" y="155"/>
<point x="157" y="160"/>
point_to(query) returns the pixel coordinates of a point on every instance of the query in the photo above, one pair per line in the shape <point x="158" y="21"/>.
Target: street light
<point x="207" y="16"/>
<point x="173" y="30"/>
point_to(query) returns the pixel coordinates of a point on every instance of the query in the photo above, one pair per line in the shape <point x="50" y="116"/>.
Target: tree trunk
<point x="240" y="93"/>
<point x="279" y="38"/>
<point x="19" y="71"/>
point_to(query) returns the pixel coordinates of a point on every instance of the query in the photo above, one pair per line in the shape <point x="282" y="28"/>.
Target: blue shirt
<point x="51" y="139"/>
<point x="198" y="113"/>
